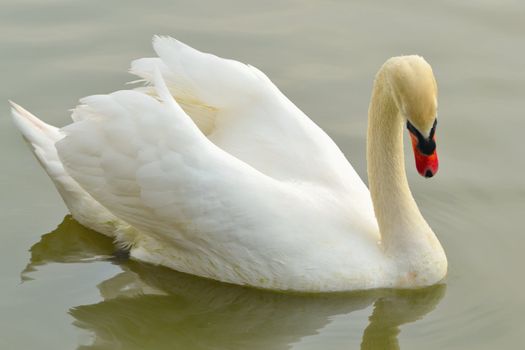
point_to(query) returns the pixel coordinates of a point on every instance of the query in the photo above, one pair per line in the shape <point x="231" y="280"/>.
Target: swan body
<point x="212" y="171"/>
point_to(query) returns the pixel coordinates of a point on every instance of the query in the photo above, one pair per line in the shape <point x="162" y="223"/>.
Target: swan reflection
<point x="151" y="307"/>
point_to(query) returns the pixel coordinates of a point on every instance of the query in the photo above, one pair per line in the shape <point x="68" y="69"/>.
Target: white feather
<point x="214" y="172"/>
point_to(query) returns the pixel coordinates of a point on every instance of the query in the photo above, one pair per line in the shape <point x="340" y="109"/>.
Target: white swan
<point x="239" y="185"/>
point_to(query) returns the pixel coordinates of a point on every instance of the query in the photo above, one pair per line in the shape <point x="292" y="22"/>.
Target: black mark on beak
<point x="424" y="145"/>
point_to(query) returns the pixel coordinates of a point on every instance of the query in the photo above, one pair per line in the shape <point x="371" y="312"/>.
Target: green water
<point x="61" y="287"/>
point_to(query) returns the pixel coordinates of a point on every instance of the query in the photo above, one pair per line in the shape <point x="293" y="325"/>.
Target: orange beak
<point x="426" y="164"/>
<point x="424" y="150"/>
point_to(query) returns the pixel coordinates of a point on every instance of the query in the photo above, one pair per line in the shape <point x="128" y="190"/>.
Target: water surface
<point x="60" y="287"/>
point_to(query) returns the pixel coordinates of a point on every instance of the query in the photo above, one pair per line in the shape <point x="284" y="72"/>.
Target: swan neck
<point x="398" y="216"/>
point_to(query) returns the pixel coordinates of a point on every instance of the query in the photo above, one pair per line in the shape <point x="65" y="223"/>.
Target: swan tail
<point x="42" y="138"/>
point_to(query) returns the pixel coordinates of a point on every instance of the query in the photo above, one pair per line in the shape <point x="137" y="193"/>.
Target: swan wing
<point x="241" y="111"/>
<point x="148" y="163"/>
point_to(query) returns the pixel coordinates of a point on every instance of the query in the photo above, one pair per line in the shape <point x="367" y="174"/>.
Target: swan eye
<point x="413" y="129"/>
<point x="416" y="132"/>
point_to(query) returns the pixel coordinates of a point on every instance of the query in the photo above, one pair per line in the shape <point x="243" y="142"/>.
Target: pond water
<point x="60" y="286"/>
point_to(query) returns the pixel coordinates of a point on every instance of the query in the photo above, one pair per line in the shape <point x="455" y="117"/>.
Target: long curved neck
<point x="403" y="228"/>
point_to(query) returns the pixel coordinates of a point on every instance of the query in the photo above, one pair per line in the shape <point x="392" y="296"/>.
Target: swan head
<point x="414" y="90"/>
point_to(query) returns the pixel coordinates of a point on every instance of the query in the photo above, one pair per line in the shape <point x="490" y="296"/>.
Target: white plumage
<point x="212" y="171"/>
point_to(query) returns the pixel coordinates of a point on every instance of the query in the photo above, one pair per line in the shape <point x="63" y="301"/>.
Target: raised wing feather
<point x="245" y="114"/>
